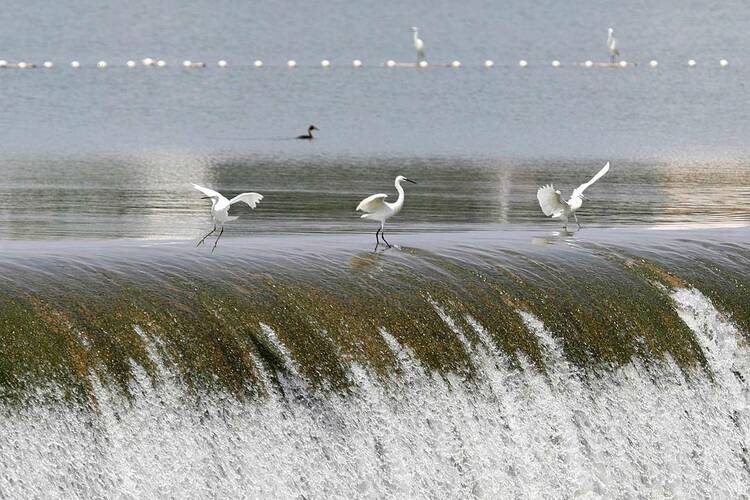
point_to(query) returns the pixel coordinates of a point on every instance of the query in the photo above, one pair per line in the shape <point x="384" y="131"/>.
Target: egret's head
<point x="414" y="29"/>
<point x="401" y="178"/>
<point x="611" y="31"/>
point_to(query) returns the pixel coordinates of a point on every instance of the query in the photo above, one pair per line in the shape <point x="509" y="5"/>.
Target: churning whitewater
<point x="506" y="432"/>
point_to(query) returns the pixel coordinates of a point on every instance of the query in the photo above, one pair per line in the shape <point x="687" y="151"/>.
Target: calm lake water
<point x="109" y="153"/>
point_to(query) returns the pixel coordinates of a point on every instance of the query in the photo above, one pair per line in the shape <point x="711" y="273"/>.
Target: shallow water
<point x="150" y="197"/>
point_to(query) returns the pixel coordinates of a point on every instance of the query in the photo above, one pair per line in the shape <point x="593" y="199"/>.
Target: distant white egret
<point x="612" y="46"/>
<point x="553" y="205"/>
<point x="418" y="44"/>
<point x="308" y="135"/>
<point x="220" y="209"/>
<point x="377" y="209"/>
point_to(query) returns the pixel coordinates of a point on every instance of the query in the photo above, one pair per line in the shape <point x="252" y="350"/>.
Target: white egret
<point x="418" y="44"/>
<point x="377" y="209"/>
<point x="220" y="209"/>
<point x="308" y="135"/>
<point x="553" y="205"/>
<point x="612" y="46"/>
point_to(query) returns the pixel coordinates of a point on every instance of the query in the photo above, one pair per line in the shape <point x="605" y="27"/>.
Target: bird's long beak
<point x="204" y="197"/>
<point x="409" y="180"/>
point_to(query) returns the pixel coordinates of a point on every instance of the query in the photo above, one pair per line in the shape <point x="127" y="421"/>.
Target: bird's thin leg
<point x="204" y="238"/>
<point x="382" y="235"/>
<point x="377" y="240"/>
<point x="576" y="218"/>
<point x="217" y="239"/>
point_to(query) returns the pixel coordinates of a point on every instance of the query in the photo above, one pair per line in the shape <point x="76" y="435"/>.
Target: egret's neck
<point x="400" y="201"/>
<point x="416" y="36"/>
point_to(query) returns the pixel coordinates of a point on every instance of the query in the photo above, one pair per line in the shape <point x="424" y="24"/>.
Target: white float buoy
<point x="555" y="63"/>
<point x="147" y="61"/>
<point x="489" y="63"/>
<point x="325" y="63"/>
<point x="3" y="63"/>
<point x="653" y="63"/>
<point x="390" y="63"/>
<point x="623" y="64"/>
<point x="187" y="63"/>
<point x="22" y="65"/>
<point x="101" y="64"/>
<point x="456" y="64"/>
<point x="357" y="63"/>
<point x="291" y="63"/>
<point x="48" y="64"/>
<point x="423" y="64"/>
<point x="258" y="63"/>
<point x="130" y="64"/>
<point x="75" y="64"/>
<point x="723" y="63"/>
<point x="160" y="63"/>
<point x="692" y="63"/>
<point x="589" y="64"/>
<point x="222" y="63"/>
<point x="523" y="63"/>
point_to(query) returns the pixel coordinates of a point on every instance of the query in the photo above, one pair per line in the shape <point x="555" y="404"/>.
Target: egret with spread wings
<point x="220" y="209"/>
<point x="377" y="209"/>
<point x="553" y="205"/>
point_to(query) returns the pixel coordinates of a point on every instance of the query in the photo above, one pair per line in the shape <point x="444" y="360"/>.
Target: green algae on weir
<point x="327" y="312"/>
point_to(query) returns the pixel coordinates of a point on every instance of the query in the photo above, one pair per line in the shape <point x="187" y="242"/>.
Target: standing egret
<point x="308" y="135"/>
<point x="220" y="209"/>
<point x="612" y="46"/>
<point x="418" y="44"/>
<point x="553" y="205"/>
<point x="378" y="209"/>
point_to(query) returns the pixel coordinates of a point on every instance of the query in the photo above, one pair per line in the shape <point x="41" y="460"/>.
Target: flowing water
<point x="490" y="354"/>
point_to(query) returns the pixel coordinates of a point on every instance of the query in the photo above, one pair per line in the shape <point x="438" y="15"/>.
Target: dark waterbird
<point x="308" y="135"/>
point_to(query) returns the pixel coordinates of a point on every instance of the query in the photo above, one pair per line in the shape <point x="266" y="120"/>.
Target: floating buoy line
<point x="355" y="63"/>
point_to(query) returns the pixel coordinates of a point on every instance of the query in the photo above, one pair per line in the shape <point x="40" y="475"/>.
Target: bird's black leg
<point x="377" y="240"/>
<point x="217" y="239"/>
<point x="204" y="238"/>
<point x="382" y="235"/>
<point x="576" y="218"/>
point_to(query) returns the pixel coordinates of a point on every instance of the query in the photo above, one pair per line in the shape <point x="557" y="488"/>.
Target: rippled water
<point x="150" y="197"/>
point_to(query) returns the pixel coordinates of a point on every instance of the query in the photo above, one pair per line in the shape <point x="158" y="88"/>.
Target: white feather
<point x="550" y="201"/>
<point x="373" y="203"/>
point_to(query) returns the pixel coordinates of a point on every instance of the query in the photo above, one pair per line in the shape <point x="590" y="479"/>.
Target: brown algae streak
<point x="234" y="323"/>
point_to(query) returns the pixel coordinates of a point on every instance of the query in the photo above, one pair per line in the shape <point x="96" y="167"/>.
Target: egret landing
<point x="553" y="205"/>
<point x="220" y="209"/>
<point x="377" y="209"/>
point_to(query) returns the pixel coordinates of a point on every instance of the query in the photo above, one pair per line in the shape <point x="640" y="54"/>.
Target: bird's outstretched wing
<point x="372" y="203"/>
<point x="252" y="199"/>
<point x="549" y="201"/>
<point x="208" y="192"/>
<point x="580" y="189"/>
